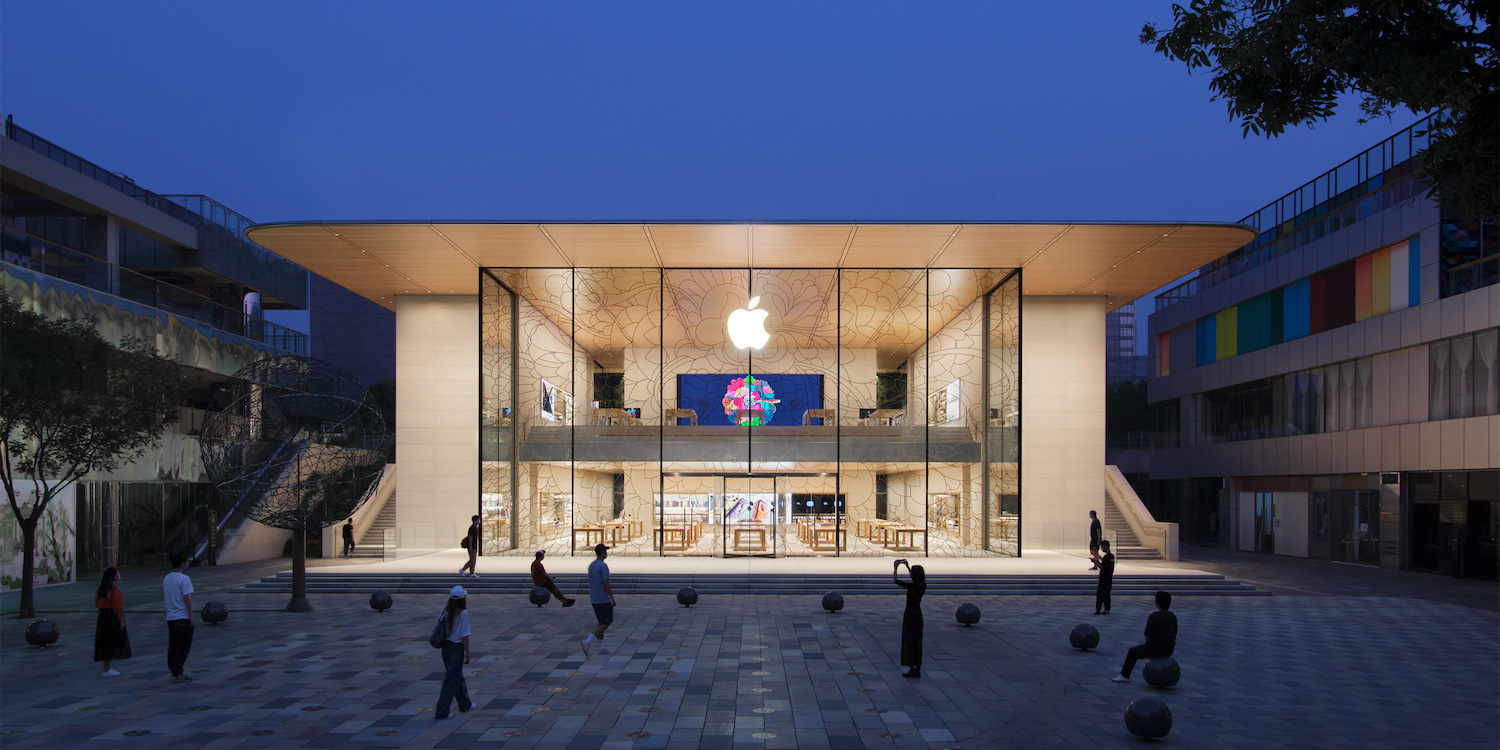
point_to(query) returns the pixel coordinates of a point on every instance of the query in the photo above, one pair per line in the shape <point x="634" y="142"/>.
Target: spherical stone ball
<point x="687" y="597"/>
<point x="380" y="601"/>
<point x="1084" y="636"/>
<point x="540" y="596"/>
<point x="215" y="613"/>
<point x="1162" y="672"/>
<point x="1148" y="717"/>
<point x="42" y="633"/>
<point x="833" y="601"/>
<point x="967" y="615"/>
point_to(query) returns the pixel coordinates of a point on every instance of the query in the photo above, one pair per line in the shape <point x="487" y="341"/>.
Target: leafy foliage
<point x="72" y="404"/>
<point x="1284" y="63"/>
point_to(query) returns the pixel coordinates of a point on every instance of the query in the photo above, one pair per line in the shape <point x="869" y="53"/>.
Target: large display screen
<point x="722" y="399"/>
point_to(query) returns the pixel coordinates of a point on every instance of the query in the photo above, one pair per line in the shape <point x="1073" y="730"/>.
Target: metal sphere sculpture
<point x="1162" y="672"/>
<point x="1084" y="637"/>
<point x="293" y="443"/>
<point x="967" y="615"/>
<point x="1148" y="718"/>
<point x="687" y="596"/>
<point x="833" y="601"/>
<point x="214" y="613"/>
<point x="540" y="596"/>
<point x="41" y="633"/>
<point x="380" y="601"/>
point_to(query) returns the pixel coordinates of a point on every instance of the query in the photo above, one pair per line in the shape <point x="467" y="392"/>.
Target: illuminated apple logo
<point x="747" y="327"/>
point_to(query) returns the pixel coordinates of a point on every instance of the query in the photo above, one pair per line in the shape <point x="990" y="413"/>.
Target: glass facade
<point x="880" y="417"/>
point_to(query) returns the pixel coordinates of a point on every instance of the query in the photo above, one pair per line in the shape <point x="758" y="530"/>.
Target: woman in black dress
<point x="911" y="619"/>
<point x="111" y="641"/>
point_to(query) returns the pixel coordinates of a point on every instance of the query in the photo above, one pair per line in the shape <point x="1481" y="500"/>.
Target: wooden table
<point x="828" y="538"/>
<point x="595" y="533"/>
<point x="616" y="416"/>
<point x="826" y="416"/>
<point x="616" y="532"/>
<point x="910" y="532"/>
<point x="672" y="415"/>
<point x="672" y="538"/>
<point x="885" y="417"/>
<point x="744" y="416"/>
<point x="1004" y="527"/>
<point x="759" y="533"/>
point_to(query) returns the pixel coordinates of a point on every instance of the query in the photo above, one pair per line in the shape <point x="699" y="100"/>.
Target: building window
<point x="1323" y="399"/>
<point x="1461" y="378"/>
<point x="1469" y="256"/>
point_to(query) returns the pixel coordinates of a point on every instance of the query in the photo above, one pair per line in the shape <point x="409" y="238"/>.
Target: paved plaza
<point x="1290" y="670"/>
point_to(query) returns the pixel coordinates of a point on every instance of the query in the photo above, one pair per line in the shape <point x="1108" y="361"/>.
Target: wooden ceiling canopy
<point x="1119" y="261"/>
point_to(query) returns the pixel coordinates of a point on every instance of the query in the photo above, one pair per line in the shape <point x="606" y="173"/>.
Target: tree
<point x="72" y="404"/>
<point x="294" y="443"/>
<point x="1284" y="63"/>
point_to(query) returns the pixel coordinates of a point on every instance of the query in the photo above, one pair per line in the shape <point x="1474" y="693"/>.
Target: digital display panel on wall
<point x="775" y="400"/>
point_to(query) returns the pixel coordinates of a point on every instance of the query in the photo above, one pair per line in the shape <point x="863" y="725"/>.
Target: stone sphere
<point x="1148" y="717"/>
<point x="540" y="596"/>
<point x="214" y="613"/>
<point x="42" y="633"/>
<point x="1162" y="672"/>
<point x="967" y="615"/>
<point x="1084" y="636"/>
<point x="687" y="597"/>
<point x="833" y="601"/>
<point x="380" y="601"/>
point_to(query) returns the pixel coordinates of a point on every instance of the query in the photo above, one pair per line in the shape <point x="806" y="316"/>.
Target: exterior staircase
<point x="1126" y="546"/>
<point x="372" y="544"/>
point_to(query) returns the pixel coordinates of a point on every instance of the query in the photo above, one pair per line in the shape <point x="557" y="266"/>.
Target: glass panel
<point x="1486" y="381"/>
<point x="496" y="419"/>
<point x="1437" y="380"/>
<point x="1460" y="377"/>
<point x="1003" y="420"/>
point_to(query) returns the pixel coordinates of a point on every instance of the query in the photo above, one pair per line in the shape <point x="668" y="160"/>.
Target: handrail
<point x="364" y="516"/>
<point x="1151" y="532"/>
<point x="44" y="256"/>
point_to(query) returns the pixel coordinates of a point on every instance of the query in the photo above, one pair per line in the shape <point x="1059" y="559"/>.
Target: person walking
<point x="603" y="599"/>
<point x="911" y="618"/>
<point x="455" y="654"/>
<point x="349" y="538"/>
<point x="1161" y="637"/>
<point x="539" y="577"/>
<point x="111" y="642"/>
<point x="1106" y="579"/>
<point x="1096" y="535"/>
<point x="471" y="543"/>
<point x="177" y="590"/>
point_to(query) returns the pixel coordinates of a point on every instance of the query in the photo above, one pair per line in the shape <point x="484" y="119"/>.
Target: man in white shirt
<point x="603" y="599"/>
<point x="177" y="590"/>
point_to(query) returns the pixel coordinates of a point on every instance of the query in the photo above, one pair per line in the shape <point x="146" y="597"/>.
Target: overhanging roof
<point x="1120" y="261"/>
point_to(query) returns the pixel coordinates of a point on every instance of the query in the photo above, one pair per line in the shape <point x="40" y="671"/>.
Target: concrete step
<point x="796" y="585"/>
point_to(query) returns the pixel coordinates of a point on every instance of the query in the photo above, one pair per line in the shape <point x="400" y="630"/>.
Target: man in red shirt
<point x="539" y="577"/>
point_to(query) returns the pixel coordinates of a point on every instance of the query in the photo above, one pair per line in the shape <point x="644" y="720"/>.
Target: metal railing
<point x="1381" y="176"/>
<point x="36" y="254"/>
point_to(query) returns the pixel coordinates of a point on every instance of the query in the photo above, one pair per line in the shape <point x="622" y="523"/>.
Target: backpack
<point x="440" y="631"/>
<point x="464" y="542"/>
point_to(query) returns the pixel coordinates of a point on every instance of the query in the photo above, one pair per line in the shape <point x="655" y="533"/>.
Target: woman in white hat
<point x="455" y="654"/>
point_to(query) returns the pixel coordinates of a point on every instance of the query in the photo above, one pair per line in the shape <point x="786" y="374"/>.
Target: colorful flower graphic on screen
<point x="750" y="393"/>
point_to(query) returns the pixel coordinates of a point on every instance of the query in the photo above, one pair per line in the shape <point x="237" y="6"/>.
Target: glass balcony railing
<point x="36" y="254"/>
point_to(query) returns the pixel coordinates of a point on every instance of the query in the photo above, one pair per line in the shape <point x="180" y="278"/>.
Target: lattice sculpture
<point x="294" y="443"/>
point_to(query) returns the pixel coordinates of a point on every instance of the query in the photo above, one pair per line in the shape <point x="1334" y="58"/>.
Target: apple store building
<point x="750" y="389"/>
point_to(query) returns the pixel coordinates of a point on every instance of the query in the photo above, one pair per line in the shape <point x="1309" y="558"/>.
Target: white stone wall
<point x="437" y="418"/>
<point x="1062" y="419"/>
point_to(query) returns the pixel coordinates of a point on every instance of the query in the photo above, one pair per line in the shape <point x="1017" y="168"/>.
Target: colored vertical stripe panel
<point x="1227" y="323"/>
<point x="1414" y="272"/>
<point x="1164" y="353"/>
<point x="1400" y="278"/>
<point x="1363" y="267"/>
<point x="1338" y="296"/>
<point x="1207" y="335"/>
<point x="1296" y="310"/>
<point x="1380" y="282"/>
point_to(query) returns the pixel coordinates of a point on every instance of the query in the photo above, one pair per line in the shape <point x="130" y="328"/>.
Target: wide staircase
<point x="1126" y="545"/>
<point x="372" y="544"/>
<point x="519" y="584"/>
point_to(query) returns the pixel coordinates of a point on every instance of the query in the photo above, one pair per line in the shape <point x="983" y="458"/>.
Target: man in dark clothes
<point x="1096" y="534"/>
<point x="1161" y="637"/>
<point x="1106" y="579"/>
<point x="539" y="577"/>
<point x="471" y="542"/>
<point x="348" y="537"/>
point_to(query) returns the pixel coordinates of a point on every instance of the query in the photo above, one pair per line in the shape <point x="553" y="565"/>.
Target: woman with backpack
<point x="452" y="635"/>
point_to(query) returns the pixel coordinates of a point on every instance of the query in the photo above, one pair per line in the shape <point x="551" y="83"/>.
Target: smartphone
<point x="901" y="561"/>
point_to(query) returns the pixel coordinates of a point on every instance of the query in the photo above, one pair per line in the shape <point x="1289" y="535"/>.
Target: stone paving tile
<point x="1277" y="672"/>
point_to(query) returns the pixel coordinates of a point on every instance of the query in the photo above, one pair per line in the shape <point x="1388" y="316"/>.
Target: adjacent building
<point x="1329" y="390"/>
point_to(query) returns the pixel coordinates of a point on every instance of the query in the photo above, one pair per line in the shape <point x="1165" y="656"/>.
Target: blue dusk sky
<point x="860" y="111"/>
